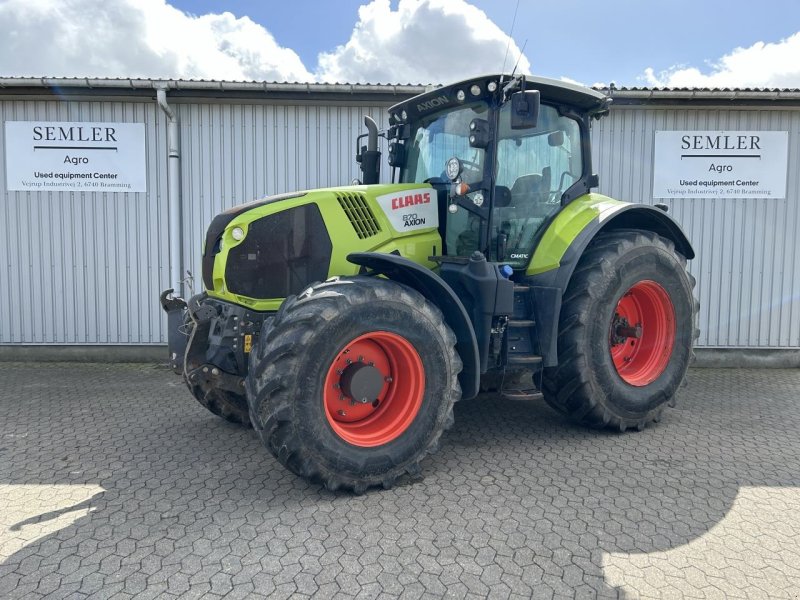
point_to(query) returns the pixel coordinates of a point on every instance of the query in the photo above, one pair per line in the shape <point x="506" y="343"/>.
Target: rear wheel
<point x="353" y="382"/>
<point x="626" y="331"/>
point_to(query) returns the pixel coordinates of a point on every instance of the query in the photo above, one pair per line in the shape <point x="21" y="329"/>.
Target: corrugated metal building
<point x="85" y="268"/>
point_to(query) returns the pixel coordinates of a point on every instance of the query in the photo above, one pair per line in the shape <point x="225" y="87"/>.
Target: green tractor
<point x="344" y="323"/>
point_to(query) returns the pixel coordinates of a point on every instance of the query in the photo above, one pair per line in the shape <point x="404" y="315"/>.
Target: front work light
<point x="453" y="168"/>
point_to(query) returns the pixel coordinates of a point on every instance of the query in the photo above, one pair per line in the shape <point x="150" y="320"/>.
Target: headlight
<point x="237" y="233"/>
<point x="453" y="169"/>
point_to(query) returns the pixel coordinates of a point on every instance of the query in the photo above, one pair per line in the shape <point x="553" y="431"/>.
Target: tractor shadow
<point x="515" y="493"/>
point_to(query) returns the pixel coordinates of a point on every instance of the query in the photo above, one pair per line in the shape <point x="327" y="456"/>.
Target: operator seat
<point x="529" y="190"/>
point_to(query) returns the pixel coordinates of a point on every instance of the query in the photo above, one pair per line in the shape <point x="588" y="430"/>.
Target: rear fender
<point x="436" y="290"/>
<point x="608" y="215"/>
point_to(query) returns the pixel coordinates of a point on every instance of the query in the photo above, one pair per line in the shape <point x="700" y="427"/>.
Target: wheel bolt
<point x="339" y="372"/>
<point x="388" y="379"/>
<point x="342" y="413"/>
<point x="336" y="386"/>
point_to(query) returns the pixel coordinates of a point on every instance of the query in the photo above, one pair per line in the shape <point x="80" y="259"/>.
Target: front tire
<point x="227" y="405"/>
<point x="353" y="382"/>
<point x="626" y="331"/>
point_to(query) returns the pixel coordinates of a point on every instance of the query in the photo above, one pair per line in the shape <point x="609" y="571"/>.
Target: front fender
<point x="436" y="290"/>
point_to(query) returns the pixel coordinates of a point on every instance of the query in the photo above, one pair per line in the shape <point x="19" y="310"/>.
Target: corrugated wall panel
<point x="234" y="153"/>
<point x="86" y="268"/>
<point x="81" y="267"/>
<point x="748" y="258"/>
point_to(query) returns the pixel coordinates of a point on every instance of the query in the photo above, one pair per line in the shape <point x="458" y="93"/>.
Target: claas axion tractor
<point x="344" y="323"/>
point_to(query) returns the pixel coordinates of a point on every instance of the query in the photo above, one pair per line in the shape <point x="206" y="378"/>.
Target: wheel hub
<point x="622" y="330"/>
<point x="362" y="382"/>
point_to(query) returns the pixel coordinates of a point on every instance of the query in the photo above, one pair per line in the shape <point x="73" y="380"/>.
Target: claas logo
<point x="410" y="200"/>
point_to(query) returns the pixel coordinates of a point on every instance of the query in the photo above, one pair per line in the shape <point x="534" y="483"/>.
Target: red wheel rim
<point x="369" y="421"/>
<point x="642" y="334"/>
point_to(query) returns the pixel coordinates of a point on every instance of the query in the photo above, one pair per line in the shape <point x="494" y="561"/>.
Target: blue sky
<point x="683" y="43"/>
<point x="612" y="40"/>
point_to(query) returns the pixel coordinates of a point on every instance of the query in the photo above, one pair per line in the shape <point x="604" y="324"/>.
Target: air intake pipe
<point x="370" y="156"/>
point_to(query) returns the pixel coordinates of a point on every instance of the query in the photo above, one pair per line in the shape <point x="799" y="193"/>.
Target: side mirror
<point x="397" y="154"/>
<point x="525" y="109"/>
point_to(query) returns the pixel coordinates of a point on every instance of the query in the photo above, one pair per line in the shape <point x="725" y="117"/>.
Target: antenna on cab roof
<point x="511" y="33"/>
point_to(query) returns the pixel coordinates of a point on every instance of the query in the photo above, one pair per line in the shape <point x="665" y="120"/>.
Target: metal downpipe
<point x="173" y="194"/>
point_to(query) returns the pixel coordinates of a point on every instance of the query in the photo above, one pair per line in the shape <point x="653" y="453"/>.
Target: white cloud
<point x="760" y="65"/>
<point x="423" y="41"/>
<point x="566" y="79"/>
<point x="137" y="38"/>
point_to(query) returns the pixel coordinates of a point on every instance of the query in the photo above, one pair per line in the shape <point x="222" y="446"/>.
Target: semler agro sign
<point x="44" y="156"/>
<point x="720" y="164"/>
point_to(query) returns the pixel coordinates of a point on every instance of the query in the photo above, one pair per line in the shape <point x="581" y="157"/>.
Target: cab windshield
<point x="439" y="137"/>
<point x="531" y="170"/>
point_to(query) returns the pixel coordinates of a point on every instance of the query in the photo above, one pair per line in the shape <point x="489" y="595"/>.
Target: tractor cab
<point x="504" y="155"/>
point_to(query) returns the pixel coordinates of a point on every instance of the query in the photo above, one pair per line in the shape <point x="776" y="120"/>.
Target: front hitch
<point x="177" y="336"/>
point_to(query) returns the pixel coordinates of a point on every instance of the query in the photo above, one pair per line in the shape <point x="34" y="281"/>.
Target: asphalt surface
<point x="114" y="482"/>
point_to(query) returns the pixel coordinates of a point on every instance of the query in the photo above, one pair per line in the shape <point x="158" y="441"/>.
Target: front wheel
<point x="353" y="382"/>
<point x="626" y="331"/>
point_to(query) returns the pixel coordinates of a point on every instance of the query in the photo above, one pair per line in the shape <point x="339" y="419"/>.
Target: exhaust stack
<point x="369" y="156"/>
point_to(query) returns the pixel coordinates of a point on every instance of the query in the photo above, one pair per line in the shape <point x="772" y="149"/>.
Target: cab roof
<point x="581" y="98"/>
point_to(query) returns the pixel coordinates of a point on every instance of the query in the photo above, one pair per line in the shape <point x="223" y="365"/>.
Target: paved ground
<point x="114" y="482"/>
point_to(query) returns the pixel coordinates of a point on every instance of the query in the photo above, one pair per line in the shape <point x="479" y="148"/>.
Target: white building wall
<point x="86" y="268"/>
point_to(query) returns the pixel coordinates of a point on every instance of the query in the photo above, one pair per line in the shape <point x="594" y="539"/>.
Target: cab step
<point x="517" y="323"/>
<point x="526" y="360"/>
<point x="522" y="394"/>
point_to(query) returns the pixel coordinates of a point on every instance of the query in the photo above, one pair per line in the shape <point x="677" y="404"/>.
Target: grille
<point x="281" y="254"/>
<point x="358" y="211"/>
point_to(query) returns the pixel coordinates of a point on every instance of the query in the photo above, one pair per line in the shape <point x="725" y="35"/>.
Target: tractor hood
<point x="273" y="247"/>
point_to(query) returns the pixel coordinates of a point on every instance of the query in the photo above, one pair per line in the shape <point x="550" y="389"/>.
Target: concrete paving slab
<point x="114" y="482"/>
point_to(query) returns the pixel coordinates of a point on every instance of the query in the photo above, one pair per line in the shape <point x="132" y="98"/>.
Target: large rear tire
<point x="353" y="382"/>
<point x="626" y="331"/>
